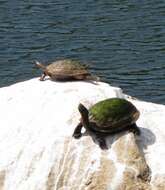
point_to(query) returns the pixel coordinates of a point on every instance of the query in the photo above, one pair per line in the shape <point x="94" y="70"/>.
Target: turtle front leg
<point x="43" y="76"/>
<point x="77" y="132"/>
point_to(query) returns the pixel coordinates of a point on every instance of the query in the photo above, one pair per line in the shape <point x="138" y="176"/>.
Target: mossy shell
<point x="112" y="114"/>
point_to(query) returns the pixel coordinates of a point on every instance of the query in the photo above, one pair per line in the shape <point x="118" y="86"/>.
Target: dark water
<point x="122" y="40"/>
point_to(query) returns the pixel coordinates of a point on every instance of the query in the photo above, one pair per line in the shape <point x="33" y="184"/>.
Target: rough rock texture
<point x="38" y="152"/>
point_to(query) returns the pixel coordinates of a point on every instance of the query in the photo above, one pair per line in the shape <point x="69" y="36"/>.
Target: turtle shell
<point x="112" y="115"/>
<point x="66" y="69"/>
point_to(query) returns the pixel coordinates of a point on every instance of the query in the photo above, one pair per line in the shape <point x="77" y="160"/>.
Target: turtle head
<point x="84" y="115"/>
<point x="40" y="65"/>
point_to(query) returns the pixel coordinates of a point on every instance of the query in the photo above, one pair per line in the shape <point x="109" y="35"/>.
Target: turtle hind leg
<point x="77" y="132"/>
<point x="92" y="77"/>
<point x="101" y="141"/>
<point x="135" y="129"/>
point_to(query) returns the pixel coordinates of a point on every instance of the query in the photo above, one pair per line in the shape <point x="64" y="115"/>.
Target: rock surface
<point x="38" y="152"/>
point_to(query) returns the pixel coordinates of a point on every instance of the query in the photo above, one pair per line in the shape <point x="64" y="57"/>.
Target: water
<point x="122" y="41"/>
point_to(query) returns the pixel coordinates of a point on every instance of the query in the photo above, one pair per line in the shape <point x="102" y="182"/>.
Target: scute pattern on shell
<point x="113" y="113"/>
<point x="67" y="67"/>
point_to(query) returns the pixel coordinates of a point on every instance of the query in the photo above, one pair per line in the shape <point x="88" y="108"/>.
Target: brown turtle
<point x="66" y="69"/>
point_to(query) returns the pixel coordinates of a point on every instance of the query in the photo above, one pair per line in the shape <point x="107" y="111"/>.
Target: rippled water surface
<point x="122" y="41"/>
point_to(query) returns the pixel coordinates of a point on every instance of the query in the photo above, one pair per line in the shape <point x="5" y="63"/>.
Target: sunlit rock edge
<point x="38" y="152"/>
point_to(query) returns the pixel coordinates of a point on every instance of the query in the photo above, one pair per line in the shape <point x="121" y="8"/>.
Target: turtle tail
<point x="93" y="77"/>
<point x="40" y="65"/>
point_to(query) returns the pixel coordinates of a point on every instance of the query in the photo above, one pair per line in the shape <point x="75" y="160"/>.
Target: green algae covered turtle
<point x="108" y="116"/>
<point x="66" y="69"/>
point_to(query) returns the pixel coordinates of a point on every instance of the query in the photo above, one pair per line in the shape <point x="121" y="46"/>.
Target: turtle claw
<point x="77" y="135"/>
<point x="102" y="143"/>
<point x="135" y="130"/>
<point x="41" y="79"/>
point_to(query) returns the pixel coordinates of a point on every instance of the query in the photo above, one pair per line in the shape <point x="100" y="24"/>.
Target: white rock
<point x="38" y="152"/>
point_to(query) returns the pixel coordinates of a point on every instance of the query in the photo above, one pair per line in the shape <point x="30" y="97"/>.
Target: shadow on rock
<point x="146" y="138"/>
<point x="105" y="141"/>
<point x="74" y="80"/>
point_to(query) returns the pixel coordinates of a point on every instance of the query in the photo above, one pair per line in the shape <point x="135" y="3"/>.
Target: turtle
<point x="108" y="116"/>
<point x="66" y="69"/>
